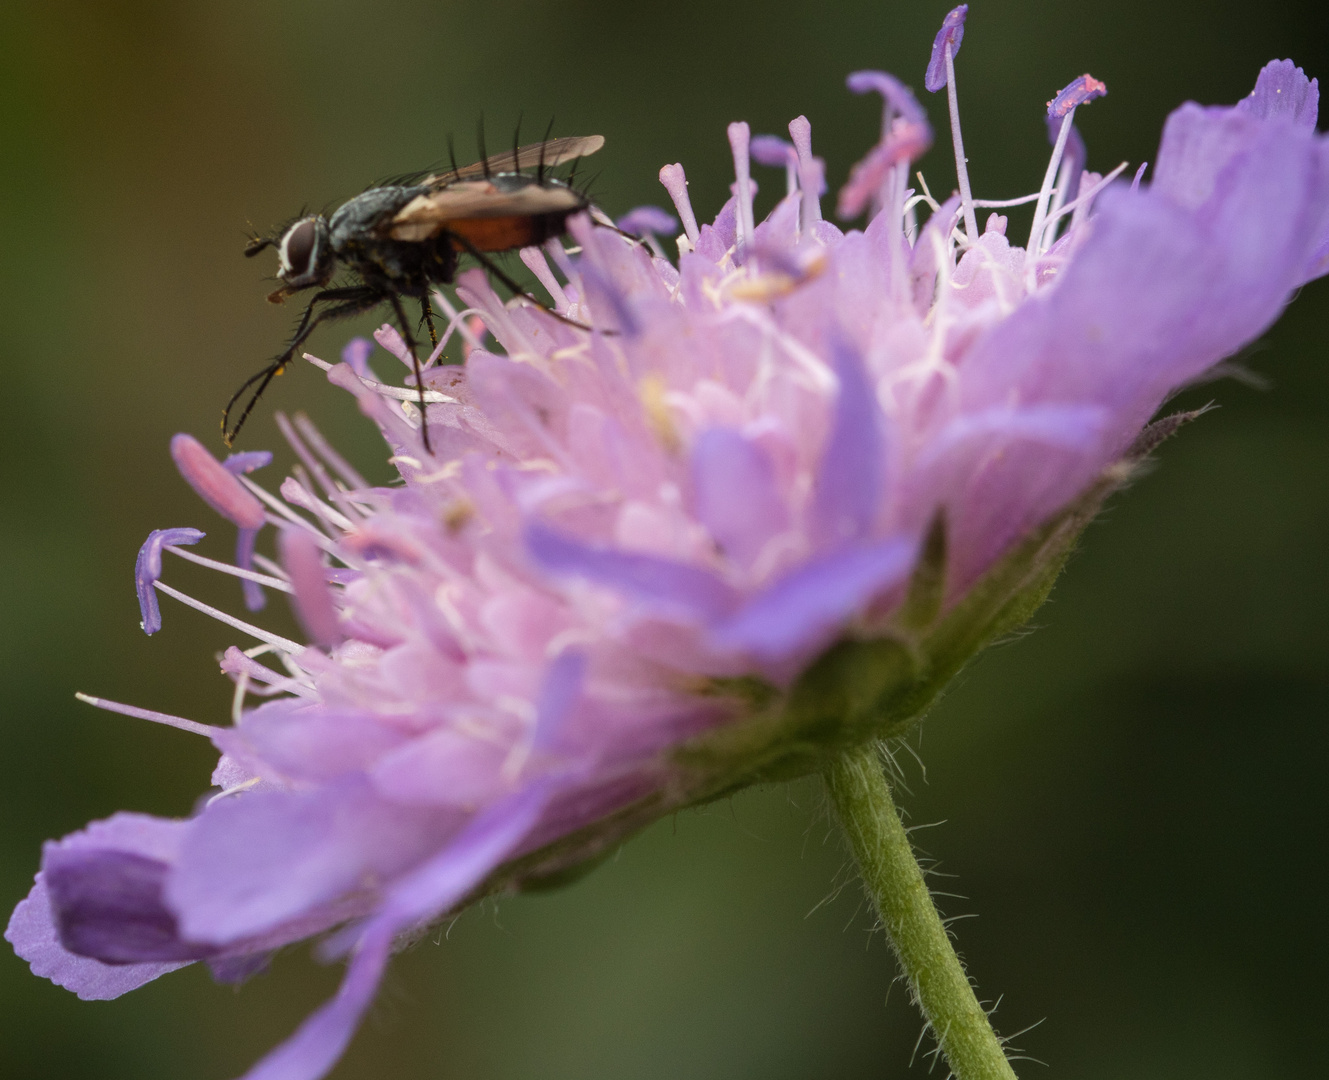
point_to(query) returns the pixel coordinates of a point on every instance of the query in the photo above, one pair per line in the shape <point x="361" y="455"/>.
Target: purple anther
<point x="312" y="599"/>
<point x="148" y="568"/>
<point x="647" y="221"/>
<point x="897" y="97"/>
<point x="771" y="150"/>
<point x="247" y="461"/>
<point x="675" y="182"/>
<point x="213" y="484"/>
<point x="356" y="355"/>
<point x="255" y="599"/>
<point x="951" y="33"/>
<point x="1076" y="93"/>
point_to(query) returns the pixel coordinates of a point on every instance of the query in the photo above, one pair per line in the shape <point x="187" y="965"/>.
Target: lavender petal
<point x="1282" y="90"/>
<point x="251" y="864"/>
<point x="107" y="905"/>
<point x="434" y="888"/>
<point x="848" y="485"/>
<point x="32" y="932"/>
<point x="806" y="609"/>
<point x="736" y="493"/>
<point x="661" y="584"/>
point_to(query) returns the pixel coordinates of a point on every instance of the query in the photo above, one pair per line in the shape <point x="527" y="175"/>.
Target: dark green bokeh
<point x="1132" y="795"/>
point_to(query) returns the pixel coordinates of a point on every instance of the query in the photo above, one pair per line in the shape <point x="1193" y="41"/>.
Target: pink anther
<point x="214" y="484"/>
<point x="1078" y="92"/>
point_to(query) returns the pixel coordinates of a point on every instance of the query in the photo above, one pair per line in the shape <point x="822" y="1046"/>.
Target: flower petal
<point x="431" y="890"/>
<point x="807" y="608"/>
<point x="663" y="585"/>
<point x="251" y="864"/>
<point x="849" y="482"/>
<point x="736" y="493"/>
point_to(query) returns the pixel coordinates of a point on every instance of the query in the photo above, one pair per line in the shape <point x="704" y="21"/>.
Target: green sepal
<point x="881" y="686"/>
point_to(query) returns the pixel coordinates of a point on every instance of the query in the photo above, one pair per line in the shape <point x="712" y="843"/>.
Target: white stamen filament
<point x="961" y="168"/>
<point x="256" y="632"/>
<point x="997" y="204"/>
<point x="192" y="726"/>
<point x="739" y="136"/>
<point x="457" y="321"/>
<point x="271" y="683"/>
<point x="899" y="178"/>
<point x="1084" y="197"/>
<point x="295" y="489"/>
<point x="927" y="195"/>
<point x="821" y="377"/>
<point x="253" y="781"/>
<point x="401" y="393"/>
<point x="1045" y="192"/>
<point x="227" y="568"/>
<point x="335" y="461"/>
<point x="1064" y="179"/>
<point x="332" y="492"/>
<point x="271" y="567"/>
<point x="285" y="514"/>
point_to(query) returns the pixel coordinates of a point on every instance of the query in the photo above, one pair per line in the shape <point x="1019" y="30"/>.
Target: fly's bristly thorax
<point x="716" y="519"/>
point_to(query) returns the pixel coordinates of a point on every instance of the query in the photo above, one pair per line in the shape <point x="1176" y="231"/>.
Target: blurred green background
<point x="1132" y="796"/>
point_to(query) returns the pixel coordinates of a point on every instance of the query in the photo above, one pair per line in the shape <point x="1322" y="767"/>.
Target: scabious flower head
<point x="759" y="514"/>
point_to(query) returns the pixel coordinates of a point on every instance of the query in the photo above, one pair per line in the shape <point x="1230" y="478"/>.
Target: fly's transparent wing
<point x="551" y="152"/>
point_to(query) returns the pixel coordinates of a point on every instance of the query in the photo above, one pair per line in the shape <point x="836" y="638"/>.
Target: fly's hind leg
<point x="415" y="360"/>
<point x="427" y="317"/>
<point x="498" y="272"/>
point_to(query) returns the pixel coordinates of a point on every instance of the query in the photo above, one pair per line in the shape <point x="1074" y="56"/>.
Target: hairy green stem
<point x="862" y="799"/>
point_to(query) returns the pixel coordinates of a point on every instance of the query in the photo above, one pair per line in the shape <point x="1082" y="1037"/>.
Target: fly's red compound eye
<point x="298" y="250"/>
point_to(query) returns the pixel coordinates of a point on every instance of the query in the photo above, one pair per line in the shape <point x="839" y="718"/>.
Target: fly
<point x="400" y="240"/>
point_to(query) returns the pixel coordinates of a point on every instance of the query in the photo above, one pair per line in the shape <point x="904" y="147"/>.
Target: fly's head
<point x="305" y="256"/>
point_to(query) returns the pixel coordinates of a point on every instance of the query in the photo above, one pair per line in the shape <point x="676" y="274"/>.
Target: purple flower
<point x="760" y="514"/>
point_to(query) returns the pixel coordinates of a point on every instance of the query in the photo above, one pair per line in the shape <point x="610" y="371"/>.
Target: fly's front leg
<point x="345" y="302"/>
